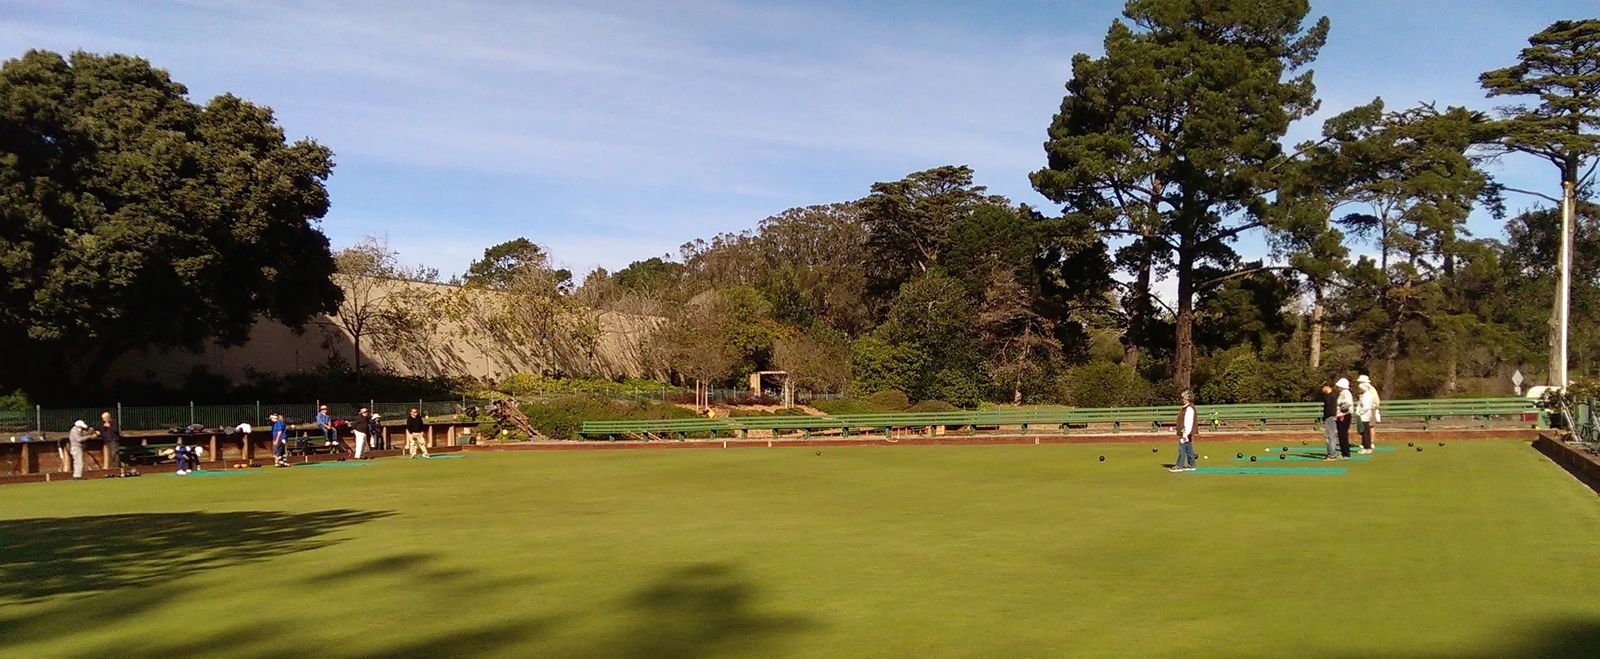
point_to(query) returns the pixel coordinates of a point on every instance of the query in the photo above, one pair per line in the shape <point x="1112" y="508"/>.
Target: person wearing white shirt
<point x="1187" y="424"/>
<point x="1367" y="413"/>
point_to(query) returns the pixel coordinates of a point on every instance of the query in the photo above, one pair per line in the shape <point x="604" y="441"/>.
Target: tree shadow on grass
<point x="1558" y="639"/>
<point x="700" y="610"/>
<point x="268" y="631"/>
<point x="50" y="556"/>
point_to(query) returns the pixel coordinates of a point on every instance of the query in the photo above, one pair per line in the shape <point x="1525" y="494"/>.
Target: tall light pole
<point x="1564" y="288"/>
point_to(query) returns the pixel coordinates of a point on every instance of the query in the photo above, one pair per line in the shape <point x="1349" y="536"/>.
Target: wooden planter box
<point x="1583" y="465"/>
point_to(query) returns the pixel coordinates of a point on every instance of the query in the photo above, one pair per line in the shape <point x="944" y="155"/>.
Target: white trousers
<point x="361" y="443"/>
<point x="416" y="443"/>
<point x="77" y="459"/>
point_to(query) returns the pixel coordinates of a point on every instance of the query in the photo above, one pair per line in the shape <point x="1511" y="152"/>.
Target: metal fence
<point x="59" y="420"/>
<point x="163" y="417"/>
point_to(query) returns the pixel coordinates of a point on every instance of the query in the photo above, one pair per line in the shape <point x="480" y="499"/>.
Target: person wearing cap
<point x="75" y="438"/>
<point x="280" y="440"/>
<point x="362" y="427"/>
<point x="330" y="435"/>
<point x="1345" y="405"/>
<point x="1187" y="425"/>
<point x="1367" y="414"/>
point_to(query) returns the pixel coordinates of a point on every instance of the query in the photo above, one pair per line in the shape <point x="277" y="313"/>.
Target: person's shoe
<point x="1189" y="468"/>
<point x="1175" y="469"/>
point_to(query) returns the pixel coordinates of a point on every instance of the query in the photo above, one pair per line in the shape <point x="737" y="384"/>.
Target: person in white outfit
<point x="1367" y="414"/>
<point x="75" y="439"/>
<point x="362" y="427"/>
<point x="1186" y="426"/>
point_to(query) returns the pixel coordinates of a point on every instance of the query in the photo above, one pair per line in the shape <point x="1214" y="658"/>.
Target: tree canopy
<point x="132" y="217"/>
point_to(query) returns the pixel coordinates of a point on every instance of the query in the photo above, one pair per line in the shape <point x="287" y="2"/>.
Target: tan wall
<point x="446" y="349"/>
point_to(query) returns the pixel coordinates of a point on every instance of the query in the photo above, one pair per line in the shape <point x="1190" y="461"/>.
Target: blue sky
<point x="615" y="131"/>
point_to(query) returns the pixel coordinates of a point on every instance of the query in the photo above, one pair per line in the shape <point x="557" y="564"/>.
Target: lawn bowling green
<point x="1477" y="549"/>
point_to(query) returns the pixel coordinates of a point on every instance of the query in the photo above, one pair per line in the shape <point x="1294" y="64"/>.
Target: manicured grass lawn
<point x="1474" y="549"/>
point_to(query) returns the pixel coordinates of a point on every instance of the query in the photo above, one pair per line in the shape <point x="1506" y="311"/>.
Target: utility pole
<point x="1564" y="288"/>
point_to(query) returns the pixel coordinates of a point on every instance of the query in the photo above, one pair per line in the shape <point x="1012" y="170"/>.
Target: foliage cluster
<point x="562" y="418"/>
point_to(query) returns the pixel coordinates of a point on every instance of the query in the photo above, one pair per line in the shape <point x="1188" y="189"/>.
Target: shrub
<point x="891" y="400"/>
<point x="961" y="388"/>
<point x="848" y="406"/>
<point x="1104" y="384"/>
<point x="562" y="418"/>
<point x="1247" y="379"/>
<point x="932" y="406"/>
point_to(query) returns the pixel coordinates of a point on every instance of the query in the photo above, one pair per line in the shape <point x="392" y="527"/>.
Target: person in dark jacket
<point x="112" y="436"/>
<point x="1330" y="421"/>
<point x="415" y="431"/>
<point x="362" y="427"/>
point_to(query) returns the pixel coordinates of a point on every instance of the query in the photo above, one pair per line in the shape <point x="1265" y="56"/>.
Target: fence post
<point x="258" y="411"/>
<point x="38" y="420"/>
<point x="191" y="412"/>
<point x="119" y="416"/>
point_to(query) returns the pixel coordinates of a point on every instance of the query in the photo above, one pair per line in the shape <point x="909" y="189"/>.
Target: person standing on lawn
<point x="362" y="427"/>
<point x="112" y="436"/>
<point x="414" y="434"/>
<point x="75" y="438"/>
<point x="1346" y="405"/>
<point x="1187" y="425"/>
<point x="280" y="441"/>
<point x="1367" y="412"/>
<point x="1330" y="421"/>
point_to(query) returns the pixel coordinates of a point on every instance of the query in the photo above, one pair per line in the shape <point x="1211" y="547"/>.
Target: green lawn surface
<point x="1474" y="549"/>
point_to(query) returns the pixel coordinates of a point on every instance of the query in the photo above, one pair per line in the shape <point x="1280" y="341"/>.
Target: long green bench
<point x="680" y="428"/>
<point x="1156" y="418"/>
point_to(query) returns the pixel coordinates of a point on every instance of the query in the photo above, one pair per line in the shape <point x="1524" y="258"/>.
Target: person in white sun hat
<point x="1367" y="414"/>
<point x="80" y="432"/>
<point x="1347" y="406"/>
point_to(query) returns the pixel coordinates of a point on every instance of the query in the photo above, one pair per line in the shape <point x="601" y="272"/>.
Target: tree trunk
<point x="1390" y="355"/>
<point x="357" y="340"/>
<point x="1139" y="311"/>
<point x="1316" y="325"/>
<point x="1183" y="355"/>
<point x="1452" y="365"/>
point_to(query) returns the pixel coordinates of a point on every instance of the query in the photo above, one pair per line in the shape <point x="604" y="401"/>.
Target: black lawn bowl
<point x="1411" y="444"/>
<point x="1238" y="455"/>
<point x="1441" y="444"/>
<point x="1252" y="458"/>
<point x="1102" y="458"/>
<point x="1282" y="456"/>
<point x="1419" y="449"/>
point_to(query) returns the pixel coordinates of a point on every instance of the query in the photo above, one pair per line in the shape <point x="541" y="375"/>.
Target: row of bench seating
<point x="1057" y="420"/>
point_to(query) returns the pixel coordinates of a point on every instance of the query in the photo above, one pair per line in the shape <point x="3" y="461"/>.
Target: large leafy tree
<point x="908" y="221"/>
<point x="502" y="264"/>
<point x="1414" y="171"/>
<point x="1164" y="141"/>
<point x="131" y="217"/>
<point x="1560" y="68"/>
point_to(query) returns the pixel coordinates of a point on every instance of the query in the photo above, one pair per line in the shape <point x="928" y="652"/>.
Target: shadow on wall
<point x="49" y="556"/>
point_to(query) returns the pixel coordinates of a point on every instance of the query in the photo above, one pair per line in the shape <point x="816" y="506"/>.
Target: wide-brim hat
<point x="1363" y="379"/>
<point x="1343" y="383"/>
<point x="80" y="424"/>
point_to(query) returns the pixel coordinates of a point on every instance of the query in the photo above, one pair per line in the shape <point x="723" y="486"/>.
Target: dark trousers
<point x="113" y="458"/>
<point x="1366" y="436"/>
<point x="1344" y="435"/>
